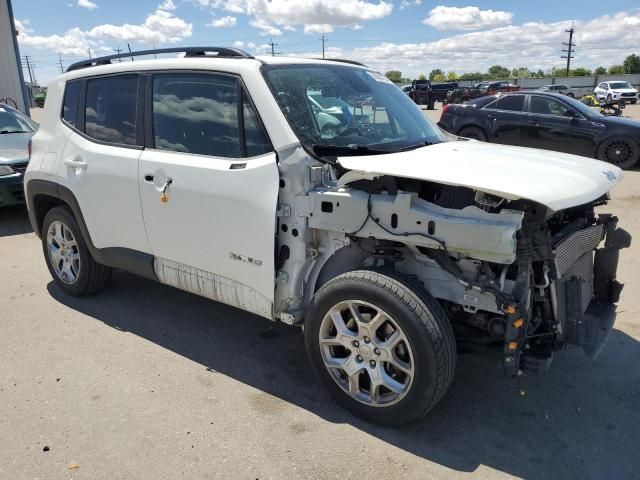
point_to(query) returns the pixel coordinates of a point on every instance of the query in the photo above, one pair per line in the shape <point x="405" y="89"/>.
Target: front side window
<point x="348" y="109"/>
<point x="70" y="103"/>
<point x="547" y="106"/>
<point x="196" y="113"/>
<point x="110" y="110"/>
<point x="510" y="102"/>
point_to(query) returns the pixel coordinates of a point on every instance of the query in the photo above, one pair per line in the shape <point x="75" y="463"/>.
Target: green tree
<point x="521" y="72"/>
<point x="580" y="72"/>
<point x="452" y="76"/>
<point x="617" y="70"/>
<point x="434" y="72"/>
<point x="632" y="64"/>
<point x="496" y="71"/>
<point x="600" y="71"/>
<point x="394" y="75"/>
<point x="540" y="73"/>
<point x="471" y="76"/>
<point x="422" y="77"/>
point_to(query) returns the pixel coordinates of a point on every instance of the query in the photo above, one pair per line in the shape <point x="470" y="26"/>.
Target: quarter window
<point x="256" y="139"/>
<point x="110" y="110"/>
<point x="70" y="103"/>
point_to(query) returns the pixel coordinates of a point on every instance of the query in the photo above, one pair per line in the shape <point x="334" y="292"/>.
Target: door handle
<point x="69" y="162"/>
<point x="148" y="178"/>
<point x="534" y="123"/>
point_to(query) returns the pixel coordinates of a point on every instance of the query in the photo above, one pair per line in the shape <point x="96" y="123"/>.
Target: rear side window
<point x="110" y="109"/>
<point x="511" y="102"/>
<point x="70" y="103"/>
<point x="199" y="113"/>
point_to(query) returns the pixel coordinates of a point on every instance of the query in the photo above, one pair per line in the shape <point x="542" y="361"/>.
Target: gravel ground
<point x="145" y="381"/>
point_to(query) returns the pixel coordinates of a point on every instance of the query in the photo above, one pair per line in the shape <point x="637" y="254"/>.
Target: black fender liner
<point x="133" y="261"/>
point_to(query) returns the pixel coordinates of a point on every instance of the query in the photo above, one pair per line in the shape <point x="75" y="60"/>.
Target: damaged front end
<point x="506" y="269"/>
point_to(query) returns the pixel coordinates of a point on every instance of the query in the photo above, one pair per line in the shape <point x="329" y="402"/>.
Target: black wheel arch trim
<point x="133" y="261"/>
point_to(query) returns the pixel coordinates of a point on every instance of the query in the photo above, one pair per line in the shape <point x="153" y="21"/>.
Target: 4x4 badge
<point x="610" y="175"/>
<point x="245" y="259"/>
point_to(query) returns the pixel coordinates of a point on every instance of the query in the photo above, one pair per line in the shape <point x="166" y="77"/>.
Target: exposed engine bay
<point x="508" y="271"/>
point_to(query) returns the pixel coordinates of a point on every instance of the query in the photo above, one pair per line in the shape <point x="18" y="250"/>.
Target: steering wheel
<point x="351" y="131"/>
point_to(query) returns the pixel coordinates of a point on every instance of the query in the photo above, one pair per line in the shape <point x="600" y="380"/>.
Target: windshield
<point x="347" y="107"/>
<point x="614" y="85"/>
<point x="14" y="122"/>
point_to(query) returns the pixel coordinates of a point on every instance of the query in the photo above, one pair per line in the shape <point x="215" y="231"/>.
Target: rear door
<point x="100" y="160"/>
<point x="506" y="120"/>
<point x="214" y="231"/>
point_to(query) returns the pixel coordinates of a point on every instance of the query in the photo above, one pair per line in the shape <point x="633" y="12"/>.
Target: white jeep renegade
<point x="316" y="193"/>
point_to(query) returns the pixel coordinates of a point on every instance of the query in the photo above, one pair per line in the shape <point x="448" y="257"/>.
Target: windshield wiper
<point x="424" y="143"/>
<point x="337" y="150"/>
<point x="3" y="132"/>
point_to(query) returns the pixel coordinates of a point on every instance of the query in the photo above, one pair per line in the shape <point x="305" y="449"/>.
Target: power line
<point x="323" y="39"/>
<point x="569" y="48"/>
<point x="273" y="45"/>
<point x="30" y="67"/>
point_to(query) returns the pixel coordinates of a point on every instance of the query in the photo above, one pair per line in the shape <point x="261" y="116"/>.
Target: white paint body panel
<point x="106" y="190"/>
<point x="557" y="180"/>
<point x="216" y="219"/>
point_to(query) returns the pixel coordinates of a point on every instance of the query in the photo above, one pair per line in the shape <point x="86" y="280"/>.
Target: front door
<point x="551" y="128"/>
<point x="209" y="187"/>
<point x="506" y="120"/>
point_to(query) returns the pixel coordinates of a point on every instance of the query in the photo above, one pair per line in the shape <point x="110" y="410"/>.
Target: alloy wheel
<point x="367" y="353"/>
<point x="63" y="252"/>
<point x="618" y="152"/>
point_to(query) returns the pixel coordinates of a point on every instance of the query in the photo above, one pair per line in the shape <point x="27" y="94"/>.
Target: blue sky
<point x="413" y="36"/>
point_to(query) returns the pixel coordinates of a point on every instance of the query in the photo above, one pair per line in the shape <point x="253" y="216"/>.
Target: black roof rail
<point x="343" y="60"/>
<point x="227" y="52"/>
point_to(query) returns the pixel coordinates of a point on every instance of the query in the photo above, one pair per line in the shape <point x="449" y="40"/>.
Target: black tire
<point x="91" y="276"/>
<point x="622" y="152"/>
<point x="570" y="95"/>
<point x="609" y="98"/>
<point x="633" y="102"/>
<point x="431" y="104"/>
<point x="475" y="133"/>
<point x="424" y="324"/>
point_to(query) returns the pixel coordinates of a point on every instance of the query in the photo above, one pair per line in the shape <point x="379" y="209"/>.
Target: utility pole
<point x="324" y="40"/>
<point x="118" y="50"/>
<point x="129" y="47"/>
<point x="273" y="45"/>
<point x="60" y="63"/>
<point x="569" y="48"/>
<point x="27" y="60"/>
<point x="88" y="48"/>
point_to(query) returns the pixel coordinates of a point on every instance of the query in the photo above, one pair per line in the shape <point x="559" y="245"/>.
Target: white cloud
<point x="222" y="22"/>
<point x="265" y="28"/>
<point x="159" y="27"/>
<point x="537" y="47"/>
<point x="324" y="28"/>
<point x="167" y="5"/>
<point x="88" y="4"/>
<point x="408" y="3"/>
<point x="272" y="14"/>
<point x="466" y="18"/>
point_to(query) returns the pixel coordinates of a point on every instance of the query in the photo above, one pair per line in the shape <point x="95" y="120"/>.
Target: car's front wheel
<point x="69" y="261"/>
<point x="622" y="152"/>
<point x="383" y="348"/>
<point x="475" y="133"/>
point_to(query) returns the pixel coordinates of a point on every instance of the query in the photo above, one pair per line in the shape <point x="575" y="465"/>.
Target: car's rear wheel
<point x="384" y="349"/>
<point x="69" y="261"/>
<point x="609" y="98"/>
<point x="622" y="152"/>
<point x="475" y="133"/>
